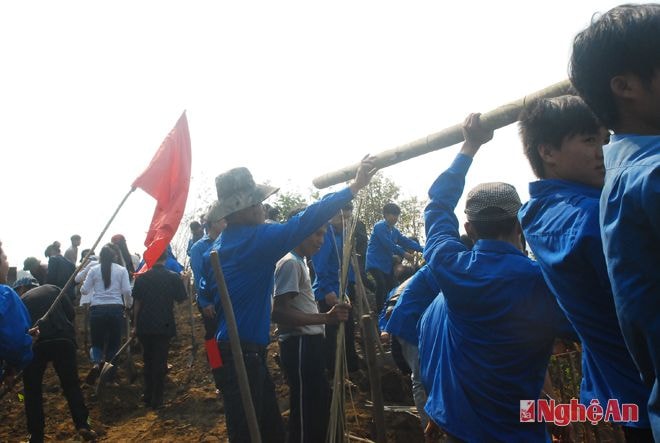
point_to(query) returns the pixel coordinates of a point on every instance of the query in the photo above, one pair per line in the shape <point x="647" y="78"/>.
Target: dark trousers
<point x="309" y="393"/>
<point x="384" y="284"/>
<point x="154" y="351"/>
<point x="105" y="327"/>
<point x="349" y="339"/>
<point x="62" y="353"/>
<point x="262" y="390"/>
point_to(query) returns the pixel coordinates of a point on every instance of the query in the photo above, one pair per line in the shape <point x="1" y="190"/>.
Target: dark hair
<point x="107" y="258"/>
<point x="391" y="208"/>
<point x="273" y="213"/>
<point x="548" y="121"/>
<point x="195" y="225"/>
<point x="163" y="256"/>
<point x="75" y="237"/>
<point x="84" y="253"/>
<point x="624" y="39"/>
<point x="492" y="230"/>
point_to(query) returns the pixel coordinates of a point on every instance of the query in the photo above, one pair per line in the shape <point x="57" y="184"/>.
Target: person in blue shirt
<point x="494" y="336"/>
<point x="248" y="250"/>
<point x="327" y="269"/>
<point x="214" y="225"/>
<point x="15" y="341"/>
<point x="563" y="141"/>
<point x="615" y="67"/>
<point x="385" y="242"/>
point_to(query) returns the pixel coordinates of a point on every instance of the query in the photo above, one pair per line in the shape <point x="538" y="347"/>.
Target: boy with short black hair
<point x="615" y="67"/>
<point x="496" y="331"/>
<point x="301" y="337"/>
<point x="563" y="141"/>
<point x="384" y="243"/>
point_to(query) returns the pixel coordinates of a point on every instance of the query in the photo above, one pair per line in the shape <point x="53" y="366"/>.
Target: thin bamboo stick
<point x="374" y="379"/>
<point x="495" y="119"/>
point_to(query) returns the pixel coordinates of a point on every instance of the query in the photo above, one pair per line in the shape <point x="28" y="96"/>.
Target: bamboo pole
<point x="237" y="352"/>
<point x="495" y="119"/>
<point x="374" y="379"/>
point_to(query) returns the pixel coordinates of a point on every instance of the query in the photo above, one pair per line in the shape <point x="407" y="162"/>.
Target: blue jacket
<point x="327" y="265"/>
<point x="413" y="301"/>
<point x="496" y="330"/>
<point x="197" y="251"/>
<point x="15" y="342"/>
<point x="630" y="229"/>
<point x="560" y="222"/>
<point x="386" y="241"/>
<point x="248" y="255"/>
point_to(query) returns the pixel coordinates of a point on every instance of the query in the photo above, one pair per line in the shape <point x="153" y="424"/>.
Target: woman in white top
<point x="111" y="294"/>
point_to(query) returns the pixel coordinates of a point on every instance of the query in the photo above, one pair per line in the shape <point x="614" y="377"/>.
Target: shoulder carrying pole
<point x="495" y="119"/>
<point x="237" y="352"/>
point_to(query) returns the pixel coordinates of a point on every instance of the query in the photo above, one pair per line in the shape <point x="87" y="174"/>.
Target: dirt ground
<point x="192" y="411"/>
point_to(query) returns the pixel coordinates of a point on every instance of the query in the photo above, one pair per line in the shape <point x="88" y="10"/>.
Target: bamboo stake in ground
<point x="237" y="352"/>
<point x="374" y="378"/>
<point x="495" y="119"/>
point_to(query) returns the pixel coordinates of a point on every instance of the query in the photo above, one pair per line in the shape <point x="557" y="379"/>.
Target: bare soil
<point x="192" y="411"/>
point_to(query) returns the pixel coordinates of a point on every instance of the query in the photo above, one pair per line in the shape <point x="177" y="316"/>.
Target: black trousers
<point x="384" y="284"/>
<point x="349" y="339"/>
<point x="154" y="351"/>
<point x="262" y="390"/>
<point x="309" y="393"/>
<point x="62" y="353"/>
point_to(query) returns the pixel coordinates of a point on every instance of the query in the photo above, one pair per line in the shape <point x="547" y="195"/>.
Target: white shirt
<point x="118" y="291"/>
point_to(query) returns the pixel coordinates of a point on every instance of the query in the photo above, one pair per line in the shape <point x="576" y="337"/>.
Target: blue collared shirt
<point x="630" y="230"/>
<point x="196" y="253"/>
<point x="327" y="265"/>
<point x="15" y="343"/>
<point x="413" y="301"/>
<point x="496" y="329"/>
<point x="385" y="242"/>
<point x="248" y="255"/>
<point x="560" y="222"/>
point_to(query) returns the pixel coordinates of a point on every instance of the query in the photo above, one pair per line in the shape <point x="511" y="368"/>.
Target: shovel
<point x="107" y="368"/>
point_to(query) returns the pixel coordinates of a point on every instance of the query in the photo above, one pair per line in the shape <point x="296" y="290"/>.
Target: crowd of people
<point x="475" y="325"/>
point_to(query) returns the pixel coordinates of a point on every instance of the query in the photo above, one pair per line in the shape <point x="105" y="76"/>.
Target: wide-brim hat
<point x="491" y="202"/>
<point x="237" y="190"/>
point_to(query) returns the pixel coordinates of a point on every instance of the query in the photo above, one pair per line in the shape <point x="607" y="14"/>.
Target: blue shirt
<point x="248" y="255"/>
<point x="327" y="265"/>
<point x="560" y="222"/>
<point x="495" y="332"/>
<point x="196" y="253"/>
<point x="385" y="242"/>
<point x="413" y="301"/>
<point x="15" y="342"/>
<point x="630" y="229"/>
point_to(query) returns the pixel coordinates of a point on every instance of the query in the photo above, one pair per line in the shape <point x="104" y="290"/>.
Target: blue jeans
<point x="105" y="327"/>
<point x="411" y="355"/>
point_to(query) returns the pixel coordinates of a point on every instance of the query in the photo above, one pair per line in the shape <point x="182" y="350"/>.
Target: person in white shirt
<point x="111" y="295"/>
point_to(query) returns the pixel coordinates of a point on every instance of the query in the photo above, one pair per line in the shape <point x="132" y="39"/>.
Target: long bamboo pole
<point x="237" y="352"/>
<point x="495" y="119"/>
<point x="374" y="378"/>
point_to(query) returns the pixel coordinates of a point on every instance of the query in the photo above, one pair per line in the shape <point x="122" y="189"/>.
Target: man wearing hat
<point x="496" y="328"/>
<point x="249" y="250"/>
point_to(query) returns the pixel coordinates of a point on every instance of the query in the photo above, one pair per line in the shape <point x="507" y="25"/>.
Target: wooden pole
<point x="495" y="119"/>
<point x="374" y="379"/>
<point x="237" y="352"/>
<point x="193" y="342"/>
<point x="83" y="263"/>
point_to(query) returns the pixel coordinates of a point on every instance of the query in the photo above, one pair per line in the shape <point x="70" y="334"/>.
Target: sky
<point x="290" y="89"/>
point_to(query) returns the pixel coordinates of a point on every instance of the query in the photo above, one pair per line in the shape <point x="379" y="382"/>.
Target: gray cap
<point x="490" y="202"/>
<point x="237" y="190"/>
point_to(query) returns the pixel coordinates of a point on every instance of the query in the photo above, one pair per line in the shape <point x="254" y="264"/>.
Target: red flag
<point x="167" y="179"/>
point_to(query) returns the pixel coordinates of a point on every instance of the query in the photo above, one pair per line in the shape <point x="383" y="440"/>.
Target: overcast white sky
<point x="292" y="90"/>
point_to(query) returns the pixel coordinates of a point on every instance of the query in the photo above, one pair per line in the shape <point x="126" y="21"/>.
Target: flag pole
<point x="85" y="260"/>
<point x="495" y="119"/>
<point x="82" y="264"/>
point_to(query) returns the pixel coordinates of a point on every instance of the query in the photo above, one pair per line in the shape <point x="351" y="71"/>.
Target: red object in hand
<point x="213" y="353"/>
